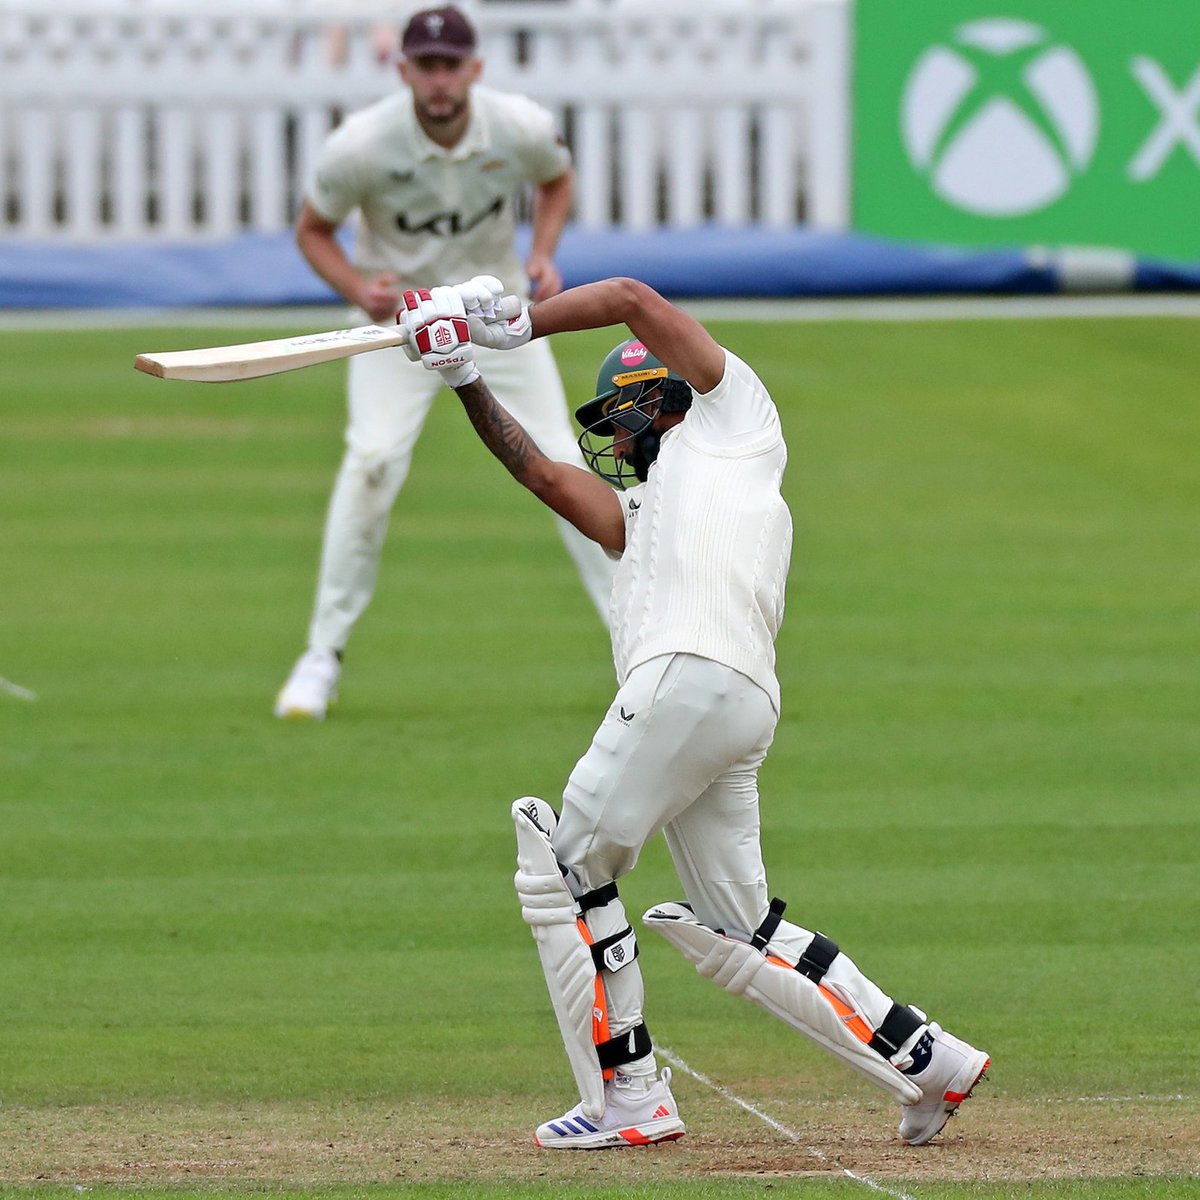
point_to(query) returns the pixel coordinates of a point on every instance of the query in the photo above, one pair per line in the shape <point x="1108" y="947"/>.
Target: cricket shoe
<point x="637" y="1112"/>
<point x="946" y="1079"/>
<point x="311" y="687"/>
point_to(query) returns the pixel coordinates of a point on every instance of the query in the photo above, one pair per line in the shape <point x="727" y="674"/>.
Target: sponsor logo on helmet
<point x="633" y="354"/>
<point x="625" y="378"/>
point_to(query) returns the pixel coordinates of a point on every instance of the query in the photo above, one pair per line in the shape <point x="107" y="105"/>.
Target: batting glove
<point x="438" y="334"/>
<point x="481" y="296"/>
<point x="497" y="321"/>
<point x="501" y="334"/>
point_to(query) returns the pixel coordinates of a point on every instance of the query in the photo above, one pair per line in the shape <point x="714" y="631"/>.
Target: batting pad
<point x="550" y="911"/>
<point x="771" y="984"/>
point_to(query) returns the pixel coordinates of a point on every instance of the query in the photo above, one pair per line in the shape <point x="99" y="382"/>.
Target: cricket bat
<point x="252" y="360"/>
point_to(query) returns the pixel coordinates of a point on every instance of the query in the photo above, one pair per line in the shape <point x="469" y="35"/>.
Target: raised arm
<point x="576" y="495"/>
<point x="669" y="333"/>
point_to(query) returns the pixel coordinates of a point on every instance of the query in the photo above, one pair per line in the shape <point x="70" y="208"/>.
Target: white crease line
<point x="778" y="1126"/>
<point x="15" y="689"/>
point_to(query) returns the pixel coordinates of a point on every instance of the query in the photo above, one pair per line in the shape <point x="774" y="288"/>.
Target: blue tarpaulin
<point x="260" y="269"/>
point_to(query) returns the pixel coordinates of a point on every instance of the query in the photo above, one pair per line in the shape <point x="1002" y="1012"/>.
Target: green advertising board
<point x="1023" y="122"/>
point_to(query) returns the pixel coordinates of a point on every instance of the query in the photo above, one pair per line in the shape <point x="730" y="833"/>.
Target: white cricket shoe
<point x="637" y="1112"/>
<point x="311" y="687"/>
<point x="953" y="1070"/>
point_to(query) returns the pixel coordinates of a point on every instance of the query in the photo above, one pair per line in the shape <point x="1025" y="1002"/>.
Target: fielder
<point x="432" y="171"/>
<point x="688" y="454"/>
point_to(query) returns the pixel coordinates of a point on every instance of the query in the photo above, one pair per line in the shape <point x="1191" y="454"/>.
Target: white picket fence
<point x="191" y="120"/>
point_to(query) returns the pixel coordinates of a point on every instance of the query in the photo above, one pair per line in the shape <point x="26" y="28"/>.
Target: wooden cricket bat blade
<point x="252" y="360"/>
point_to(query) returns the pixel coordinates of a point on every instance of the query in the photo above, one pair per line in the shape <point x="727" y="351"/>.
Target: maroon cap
<point x="445" y="32"/>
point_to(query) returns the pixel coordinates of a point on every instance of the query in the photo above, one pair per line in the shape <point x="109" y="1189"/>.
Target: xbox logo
<point x="1002" y="119"/>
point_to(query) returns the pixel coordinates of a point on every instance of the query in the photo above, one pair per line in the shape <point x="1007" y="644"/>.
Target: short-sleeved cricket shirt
<point x="434" y="215"/>
<point x="708" y="538"/>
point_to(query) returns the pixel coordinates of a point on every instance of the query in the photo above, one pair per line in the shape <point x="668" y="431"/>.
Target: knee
<point x="372" y="471"/>
<point x="595" y="856"/>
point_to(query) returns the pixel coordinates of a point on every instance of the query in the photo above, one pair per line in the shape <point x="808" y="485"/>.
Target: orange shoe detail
<point x="959" y="1097"/>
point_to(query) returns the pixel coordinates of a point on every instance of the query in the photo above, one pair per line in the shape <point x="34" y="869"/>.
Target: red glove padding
<point x="438" y="334"/>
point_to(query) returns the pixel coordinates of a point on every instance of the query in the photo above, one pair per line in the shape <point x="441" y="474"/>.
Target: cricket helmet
<point x="632" y="388"/>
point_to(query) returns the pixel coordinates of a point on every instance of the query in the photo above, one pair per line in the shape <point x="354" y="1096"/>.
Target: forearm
<point x="503" y="435"/>
<point x="551" y="207"/>
<point x="669" y="333"/>
<point x="573" y="493"/>
<point x="591" y="306"/>
<point x="327" y="258"/>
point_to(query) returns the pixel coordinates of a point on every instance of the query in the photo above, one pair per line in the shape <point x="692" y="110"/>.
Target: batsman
<point x="686" y="455"/>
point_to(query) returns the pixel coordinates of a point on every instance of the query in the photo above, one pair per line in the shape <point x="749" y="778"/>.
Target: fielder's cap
<point x="444" y="32"/>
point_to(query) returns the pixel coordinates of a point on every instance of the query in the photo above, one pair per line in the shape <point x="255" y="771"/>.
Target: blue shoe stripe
<point x="559" y="1129"/>
<point x="586" y="1125"/>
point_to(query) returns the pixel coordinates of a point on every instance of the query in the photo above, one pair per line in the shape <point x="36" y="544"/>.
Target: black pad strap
<point x="895" y="1029"/>
<point x="763" y="934"/>
<point x="625" y="1047"/>
<point x="817" y="957"/>
<point x="610" y="955"/>
<point x="598" y="898"/>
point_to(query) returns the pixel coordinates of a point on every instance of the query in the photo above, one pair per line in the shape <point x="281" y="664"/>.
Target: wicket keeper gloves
<point x="438" y="335"/>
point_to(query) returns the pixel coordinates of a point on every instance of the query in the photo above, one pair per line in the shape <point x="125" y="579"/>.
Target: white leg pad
<point x="744" y="971"/>
<point x="550" y="911"/>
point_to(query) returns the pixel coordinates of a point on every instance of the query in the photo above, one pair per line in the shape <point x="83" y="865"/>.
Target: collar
<point x="473" y="140"/>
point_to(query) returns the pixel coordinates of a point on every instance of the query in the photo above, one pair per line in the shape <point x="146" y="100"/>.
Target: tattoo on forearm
<point x="499" y="431"/>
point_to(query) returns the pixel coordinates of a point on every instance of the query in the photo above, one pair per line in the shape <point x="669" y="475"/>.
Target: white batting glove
<point x="497" y="321"/>
<point x="501" y="334"/>
<point x="438" y="334"/>
<point x="481" y="296"/>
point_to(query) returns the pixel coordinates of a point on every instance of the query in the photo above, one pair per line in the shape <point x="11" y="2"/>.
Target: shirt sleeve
<point x="631" y="503"/>
<point x="336" y="188"/>
<point x="544" y="154"/>
<point x="739" y="410"/>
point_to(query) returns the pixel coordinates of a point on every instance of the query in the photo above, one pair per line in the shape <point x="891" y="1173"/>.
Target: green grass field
<point x="246" y="955"/>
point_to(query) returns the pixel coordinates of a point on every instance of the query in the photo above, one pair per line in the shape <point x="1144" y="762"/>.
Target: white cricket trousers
<point x="679" y="751"/>
<point x="389" y="399"/>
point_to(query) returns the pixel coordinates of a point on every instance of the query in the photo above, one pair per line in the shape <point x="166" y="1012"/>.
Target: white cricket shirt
<point x="708" y="538"/>
<point x="432" y="215"/>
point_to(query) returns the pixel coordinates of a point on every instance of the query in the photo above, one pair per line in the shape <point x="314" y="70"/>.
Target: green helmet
<point x="633" y="387"/>
<point x="627" y="365"/>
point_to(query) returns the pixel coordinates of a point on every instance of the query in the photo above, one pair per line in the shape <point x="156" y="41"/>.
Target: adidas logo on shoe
<point x="633" y="1116"/>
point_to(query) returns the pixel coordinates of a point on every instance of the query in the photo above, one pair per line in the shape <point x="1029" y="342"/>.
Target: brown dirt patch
<point x="995" y="1139"/>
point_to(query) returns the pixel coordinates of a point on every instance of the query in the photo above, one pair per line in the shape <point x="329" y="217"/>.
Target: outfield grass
<point x="984" y="784"/>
